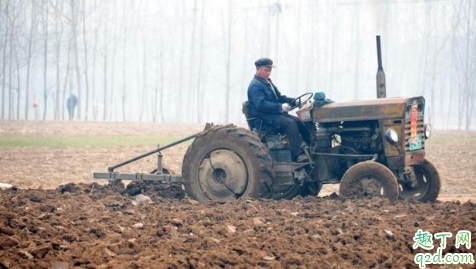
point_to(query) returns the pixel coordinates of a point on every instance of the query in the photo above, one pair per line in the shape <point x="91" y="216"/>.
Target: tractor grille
<point x="414" y="125"/>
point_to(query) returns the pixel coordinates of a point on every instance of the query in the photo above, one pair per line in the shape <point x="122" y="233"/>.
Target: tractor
<point x="371" y="148"/>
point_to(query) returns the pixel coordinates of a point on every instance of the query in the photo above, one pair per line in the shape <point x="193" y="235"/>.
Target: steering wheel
<point x="307" y="96"/>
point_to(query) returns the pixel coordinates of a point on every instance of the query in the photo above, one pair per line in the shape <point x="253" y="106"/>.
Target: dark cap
<point x="264" y="62"/>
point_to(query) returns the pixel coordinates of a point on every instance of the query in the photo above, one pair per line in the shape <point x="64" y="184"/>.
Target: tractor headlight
<point x="427" y="131"/>
<point x="391" y="136"/>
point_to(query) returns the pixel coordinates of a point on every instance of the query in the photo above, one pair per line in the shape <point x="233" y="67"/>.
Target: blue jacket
<point x="264" y="104"/>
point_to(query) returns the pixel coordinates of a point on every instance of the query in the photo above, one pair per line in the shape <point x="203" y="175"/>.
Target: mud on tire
<point x="226" y="163"/>
<point x="369" y="179"/>
<point x="428" y="184"/>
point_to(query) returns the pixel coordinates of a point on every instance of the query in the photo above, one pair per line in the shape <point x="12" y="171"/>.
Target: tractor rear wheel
<point x="227" y="163"/>
<point x="368" y="178"/>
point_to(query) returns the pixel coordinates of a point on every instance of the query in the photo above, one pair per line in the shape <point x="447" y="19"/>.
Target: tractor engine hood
<point x="376" y="109"/>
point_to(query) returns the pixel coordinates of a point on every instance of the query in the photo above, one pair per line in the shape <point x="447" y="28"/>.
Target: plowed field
<point x="84" y="224"/>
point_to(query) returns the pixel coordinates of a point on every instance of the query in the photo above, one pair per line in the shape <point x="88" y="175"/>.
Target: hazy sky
<point x="192" y="52"/>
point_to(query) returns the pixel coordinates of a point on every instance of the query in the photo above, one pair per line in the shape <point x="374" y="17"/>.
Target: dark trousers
<point x="295" y="130"/>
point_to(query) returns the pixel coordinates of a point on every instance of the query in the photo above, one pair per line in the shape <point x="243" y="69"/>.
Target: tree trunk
<point x="157" y="74"/>
<point x="112" y="107"/>
<point x="357" y="49"/>
<point x="124" y="46"/>
<point x="179" y="109"/>
<point x="86" y="76"/>
<point x="59" y="34"/>
<point x="425" y="53"/>
<point x="297" y="66"/>
<point x="7" y="13"/>
<point x="452" y="66"/>
<point x="332" y="61"/>
<point x="45" y="59"/>
<point x="17" y="64"/>
<point x="74" y="31"/>
<point x="93" y="87"/>
<point x="105" y="105"/>
<point x="10" y="64"/>
<point x="228" y="64"/>
<point x="467" y="86"/>
<point x="28" y="59"/>
<point x="143" y="105"/>
<point x="200" y="65"/>
<point x="66" y="78"/>
<point x="191" y="64"/>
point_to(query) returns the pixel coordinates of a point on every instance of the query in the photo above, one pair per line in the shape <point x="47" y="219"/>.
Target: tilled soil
<point x="94" y="226"/>
<point x="88" y="225"/>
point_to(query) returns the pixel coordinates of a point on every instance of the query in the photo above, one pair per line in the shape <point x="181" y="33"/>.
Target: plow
<point x="158" y="174"/>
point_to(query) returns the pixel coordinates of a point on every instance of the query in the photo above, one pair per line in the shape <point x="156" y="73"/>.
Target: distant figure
<point x="71" y="105"/>
<point x="35" y="106"/>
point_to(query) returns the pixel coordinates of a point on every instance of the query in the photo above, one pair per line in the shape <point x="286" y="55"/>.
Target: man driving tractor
<point x="269" y="108"/>
<point x="370" y="147"/>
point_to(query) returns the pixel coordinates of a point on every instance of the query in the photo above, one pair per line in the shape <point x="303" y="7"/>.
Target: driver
<point x="267" y="103"/>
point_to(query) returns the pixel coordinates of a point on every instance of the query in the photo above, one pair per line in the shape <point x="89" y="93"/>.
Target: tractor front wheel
<point x="368" y="179"/>
<point x="426" y="186"/>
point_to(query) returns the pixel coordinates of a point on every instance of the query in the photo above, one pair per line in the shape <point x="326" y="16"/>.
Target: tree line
<point x="191" y="60"/>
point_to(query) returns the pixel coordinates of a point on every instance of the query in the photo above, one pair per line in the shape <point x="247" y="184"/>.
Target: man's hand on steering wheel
<point x="298" y="101"/>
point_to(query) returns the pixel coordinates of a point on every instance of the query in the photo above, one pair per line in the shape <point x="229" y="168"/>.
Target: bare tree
<point x="143" y="104"/>
<point x="425" y="49"/>
<point x="228" y="61"/>
<point x="357" y="49"/>
<point x="469" y="74"/>
<point x="58" y="47"/>
<point x="4" y="65"/>
<point x="29" y="56"/>
<point x="86" y="65"/>
<point x="10" y="62"/>
<point x="200" y="64"/>
<point x="74" y="32"/>
<point x="124" y="59"/>
<point x="332" y="31"/>
<point x="105" y="103"/>
<point x="159" y="76"/>
<point x="45" y="57"/>
<point x="18" y="84"/>
<point x="161" y="59"/>
<point x="179" y="109"/>
<point x="93" y="86"/>
<point x="456" y="23"/>
<point x="191" y="62"/>
<point x="296" y="80"/>
<point x="112" y="92"/>
<point x="67" y="79"/>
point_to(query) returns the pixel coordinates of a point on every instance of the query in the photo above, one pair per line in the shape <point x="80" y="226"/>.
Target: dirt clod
<point x="104" y="229"/>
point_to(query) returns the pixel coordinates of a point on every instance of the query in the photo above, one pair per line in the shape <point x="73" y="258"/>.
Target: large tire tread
<point x="261" y="174"/>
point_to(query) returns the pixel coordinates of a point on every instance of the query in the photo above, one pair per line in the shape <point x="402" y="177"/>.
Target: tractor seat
<point x="250" y="120"/>
<point x="272" y="140"/>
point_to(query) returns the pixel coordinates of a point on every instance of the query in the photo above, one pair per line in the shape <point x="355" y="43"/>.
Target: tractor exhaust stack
<point x="381" y="88"/>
